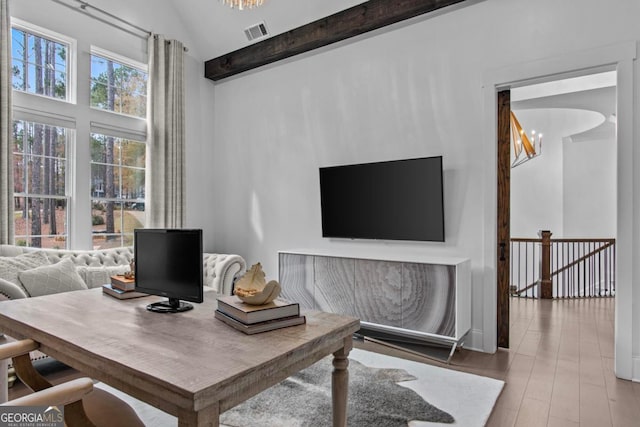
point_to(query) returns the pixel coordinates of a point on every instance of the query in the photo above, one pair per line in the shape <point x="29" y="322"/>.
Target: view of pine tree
<point x="109" y="184"/>
<point x="128" y="86"/>
<point x="25" y="68"/>
<point x="118" y="88"/>
<point x="39" y="66"/>
<point x="36" y="172"/>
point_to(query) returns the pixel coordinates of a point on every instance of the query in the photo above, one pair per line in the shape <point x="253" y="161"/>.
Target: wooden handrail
<point x="584" y="257"/>
<point x="562" y="267"/>
<point x="526" y="240"/>
<point x="583" y="240"/>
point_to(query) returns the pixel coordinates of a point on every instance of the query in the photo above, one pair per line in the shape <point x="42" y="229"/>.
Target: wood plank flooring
<point x="559" y="369"/>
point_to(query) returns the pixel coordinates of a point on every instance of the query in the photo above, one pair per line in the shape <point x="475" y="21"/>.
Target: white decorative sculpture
<point x="252" y="288"/>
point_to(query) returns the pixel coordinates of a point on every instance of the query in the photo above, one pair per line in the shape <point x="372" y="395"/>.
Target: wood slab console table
<point x="187" y="364"/>
<point x="410" y="300"/>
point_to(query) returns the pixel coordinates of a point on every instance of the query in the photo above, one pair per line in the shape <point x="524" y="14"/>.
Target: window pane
<point x="117" y="189"/>
<point x="113" y="223"/>
<point x="99" y="95"/>
<point x="39" y="65"/>
<point x="19" y="174"/>
<point x="133" y="153"/>
<point x="118" y="87"/>
<point x="39" y="167"/>
<point x="40" y="222"/>
<point x="39" y="159"/>
<point x="19" y="79"/>
<point x="132" y="183"/>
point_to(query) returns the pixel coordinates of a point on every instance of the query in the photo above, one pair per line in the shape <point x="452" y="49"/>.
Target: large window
<point x="118" y="87"/>
<point x="40" y="171"/>
<point x="117" y="164"/>
<point x="117" y="190"/>
<point x="79" y="164"/>
<point x="39" y="64"/>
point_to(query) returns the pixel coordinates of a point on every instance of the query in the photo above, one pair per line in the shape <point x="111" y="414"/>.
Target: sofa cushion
<point x="52" y="279"/>
<point x="94" y="277"/>
<point x="10" y="266"/>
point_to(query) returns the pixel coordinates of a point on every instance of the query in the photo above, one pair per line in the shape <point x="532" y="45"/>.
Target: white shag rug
<point x="468" y="398"/>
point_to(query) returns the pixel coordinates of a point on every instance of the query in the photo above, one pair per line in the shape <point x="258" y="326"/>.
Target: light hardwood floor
<point x="559" y="369"/>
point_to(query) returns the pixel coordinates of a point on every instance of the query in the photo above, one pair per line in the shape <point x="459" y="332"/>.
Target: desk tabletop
<point x="179" y="360"/>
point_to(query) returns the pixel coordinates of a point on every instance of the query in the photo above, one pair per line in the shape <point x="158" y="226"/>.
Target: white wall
<point x="570" y="188"/>
<point x="412" y="91"/>
<point x="536" y="185"/>
<point x="589" y="189"/>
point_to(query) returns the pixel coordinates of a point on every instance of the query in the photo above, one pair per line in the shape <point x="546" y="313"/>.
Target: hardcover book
<point x="120" y="294"/>
<point x="123" y="283"/>
<point x="232" y="306"/>
<point x="255" y="328"/>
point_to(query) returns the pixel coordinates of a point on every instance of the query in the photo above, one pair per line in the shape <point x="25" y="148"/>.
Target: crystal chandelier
<point x="243" y="4"/>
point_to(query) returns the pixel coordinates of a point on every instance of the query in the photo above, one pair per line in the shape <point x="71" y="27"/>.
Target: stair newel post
<point x="545" y="265"/>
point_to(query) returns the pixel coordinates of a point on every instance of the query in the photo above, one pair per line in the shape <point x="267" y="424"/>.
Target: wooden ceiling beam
<point x="351" y="22"/>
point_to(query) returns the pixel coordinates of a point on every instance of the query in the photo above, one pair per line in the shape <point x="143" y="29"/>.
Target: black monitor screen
<point x="394" y="200"/>
<point x="168" y="262"/>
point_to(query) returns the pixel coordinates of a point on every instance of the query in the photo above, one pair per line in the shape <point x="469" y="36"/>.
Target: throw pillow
<point x="94" y="277"/>
<point x="52" y="279"/>
<point x="10" y="267"/>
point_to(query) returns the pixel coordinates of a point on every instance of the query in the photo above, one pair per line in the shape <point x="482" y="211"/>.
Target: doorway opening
<point x="556" y="173"/>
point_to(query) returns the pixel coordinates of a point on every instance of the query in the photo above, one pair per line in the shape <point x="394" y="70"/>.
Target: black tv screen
<point x="394" y="200"/>
<point x="168" y="262"/>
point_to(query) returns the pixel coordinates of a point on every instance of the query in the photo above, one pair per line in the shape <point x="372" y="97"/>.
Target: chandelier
<point x="524" y="147"/>
<point x="243" y="4"/>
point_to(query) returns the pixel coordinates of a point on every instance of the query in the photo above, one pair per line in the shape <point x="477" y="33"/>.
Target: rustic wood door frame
<point x="503" y="216"/>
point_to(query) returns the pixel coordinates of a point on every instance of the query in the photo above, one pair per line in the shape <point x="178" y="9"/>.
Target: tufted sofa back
<point x="219" y="270"/>
<point x="95" y="258"/>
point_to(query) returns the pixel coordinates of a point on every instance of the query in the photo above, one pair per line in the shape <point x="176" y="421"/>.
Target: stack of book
<point x="122" y="288"/>
<point x="253" y="319"/>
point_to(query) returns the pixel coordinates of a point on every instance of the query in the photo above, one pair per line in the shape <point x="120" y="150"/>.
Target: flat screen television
<point x="393" y="200"/>
<point x="168" y="262"/>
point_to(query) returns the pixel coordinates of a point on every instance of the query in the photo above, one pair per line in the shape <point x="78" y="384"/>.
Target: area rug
<point x="384" y="391"/>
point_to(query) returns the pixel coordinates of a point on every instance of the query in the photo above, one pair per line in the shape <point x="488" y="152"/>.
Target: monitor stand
<point x="172" y="305"/>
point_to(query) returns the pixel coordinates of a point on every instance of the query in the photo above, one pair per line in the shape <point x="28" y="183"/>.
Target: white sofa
<point x="95" y="267"/>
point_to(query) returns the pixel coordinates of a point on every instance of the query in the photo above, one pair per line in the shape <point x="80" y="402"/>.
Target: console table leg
<point x="340" y="383"/>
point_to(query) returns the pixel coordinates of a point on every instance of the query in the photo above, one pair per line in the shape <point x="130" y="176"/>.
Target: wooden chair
<point x="85" y="405"/>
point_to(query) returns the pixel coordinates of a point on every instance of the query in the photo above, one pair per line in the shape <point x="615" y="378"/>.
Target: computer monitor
<point x="168" y="262"/>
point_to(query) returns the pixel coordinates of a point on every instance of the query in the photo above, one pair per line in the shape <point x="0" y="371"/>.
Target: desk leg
<point x="207" y="417"/>
<point x="340" y="383"/>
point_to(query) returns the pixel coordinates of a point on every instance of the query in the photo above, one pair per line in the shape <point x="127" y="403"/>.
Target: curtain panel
<point x="6" y="126"/>
<point x="165" y="182"/>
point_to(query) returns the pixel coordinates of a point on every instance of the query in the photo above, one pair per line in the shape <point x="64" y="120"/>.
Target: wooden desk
<point x="187" y="364"/>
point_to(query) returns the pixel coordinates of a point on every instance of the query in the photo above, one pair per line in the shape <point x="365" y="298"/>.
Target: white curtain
<point x="165" y="185"/>
<point x="6" y="134"/>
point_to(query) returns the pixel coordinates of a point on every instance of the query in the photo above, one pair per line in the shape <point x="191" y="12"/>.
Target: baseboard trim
<point x="474" y="341"/>
<point x="635" y="374"/>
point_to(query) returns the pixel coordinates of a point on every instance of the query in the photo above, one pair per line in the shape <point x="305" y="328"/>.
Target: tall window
<point x="117" y="164"/>
<point x="40" y="201"/>
<point x="117" y="190"/>
<point x="52" y="164"/>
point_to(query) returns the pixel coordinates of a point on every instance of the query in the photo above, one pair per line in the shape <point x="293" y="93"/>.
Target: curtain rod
<point x="127" y="27"/>
<point x="124" y="25"/>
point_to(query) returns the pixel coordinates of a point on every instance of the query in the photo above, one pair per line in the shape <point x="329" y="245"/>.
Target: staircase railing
<point x="562" y="268"/>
